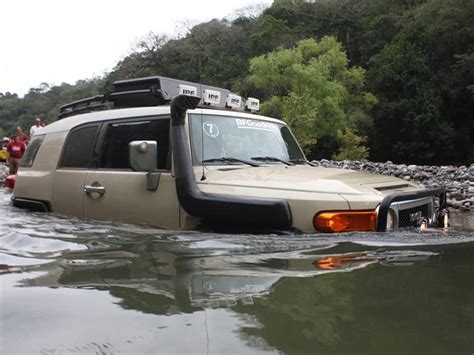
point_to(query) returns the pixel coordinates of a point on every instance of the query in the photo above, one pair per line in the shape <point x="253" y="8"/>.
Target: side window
<point x="119" y="135"/>
<point x="31" y="151"/>
<point x="79" y="147"/>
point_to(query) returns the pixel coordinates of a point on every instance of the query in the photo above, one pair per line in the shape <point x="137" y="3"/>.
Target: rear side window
<point x="119" y="135"/>
<point x="79" y="147"/>
<point x="30" y="154"/>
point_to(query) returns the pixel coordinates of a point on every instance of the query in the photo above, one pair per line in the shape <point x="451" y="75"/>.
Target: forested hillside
<point x="384" y="79"/>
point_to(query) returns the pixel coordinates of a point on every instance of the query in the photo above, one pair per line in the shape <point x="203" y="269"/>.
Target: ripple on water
<point x="36" y="244"/>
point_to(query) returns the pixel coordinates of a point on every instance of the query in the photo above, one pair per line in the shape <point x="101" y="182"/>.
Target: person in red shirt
<point x="15" y="149"/>
<point x="23" y="137"/>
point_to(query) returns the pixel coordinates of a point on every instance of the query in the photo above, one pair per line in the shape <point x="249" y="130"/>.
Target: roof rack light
<point x="252" y="104"/>
<point x="211" y="97"/>
<point x="187" y="90"/>
<point x="233" y="101"/>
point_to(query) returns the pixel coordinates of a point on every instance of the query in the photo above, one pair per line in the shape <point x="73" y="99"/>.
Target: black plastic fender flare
<point x="215" y="208"/>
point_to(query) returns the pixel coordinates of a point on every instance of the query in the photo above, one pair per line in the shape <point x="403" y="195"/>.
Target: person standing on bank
<point x="36" y="127"/>
<point x="22" y="136"/>
<point x="15" y="150"/>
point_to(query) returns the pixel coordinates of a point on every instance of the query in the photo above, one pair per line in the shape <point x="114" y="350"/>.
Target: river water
<point x="79" y="286"/>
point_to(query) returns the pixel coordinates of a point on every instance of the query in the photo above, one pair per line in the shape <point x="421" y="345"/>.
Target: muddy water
<point x="75" y="286"/>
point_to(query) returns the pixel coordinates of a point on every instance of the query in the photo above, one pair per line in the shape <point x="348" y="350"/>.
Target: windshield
<point x="240" y="138"/>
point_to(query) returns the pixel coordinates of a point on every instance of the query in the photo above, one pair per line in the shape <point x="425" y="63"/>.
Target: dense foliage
<point x="312" y="88"/>
<point x="406" y="92"/>
<point x="43" y="102"/>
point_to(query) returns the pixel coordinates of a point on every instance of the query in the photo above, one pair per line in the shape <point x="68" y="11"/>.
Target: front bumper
<point x="385" y="205"/>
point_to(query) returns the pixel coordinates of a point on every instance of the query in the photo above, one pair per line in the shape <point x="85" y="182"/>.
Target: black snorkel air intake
<point x="214" y="208"/>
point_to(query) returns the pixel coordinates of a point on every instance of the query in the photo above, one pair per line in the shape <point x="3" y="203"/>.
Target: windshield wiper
<point x="302" y="161"/>
<point x="230" y="160"/>
<point x="272" y="159"/>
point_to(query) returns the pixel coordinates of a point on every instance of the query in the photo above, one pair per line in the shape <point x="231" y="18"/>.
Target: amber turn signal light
<point x="335" y="222"/>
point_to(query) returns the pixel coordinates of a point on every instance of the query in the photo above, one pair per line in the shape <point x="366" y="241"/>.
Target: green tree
<point x="216" y="53"/>
<point x="352" y="146"/>
<point x="313" y="89"/>
<point x="44" y="102"/>
<point x="422" y="79"/>
<point x="269" y="33"/>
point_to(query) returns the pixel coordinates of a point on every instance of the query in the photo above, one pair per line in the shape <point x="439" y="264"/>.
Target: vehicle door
<point x="113" y="191"/>
<point x="76" y="159"/>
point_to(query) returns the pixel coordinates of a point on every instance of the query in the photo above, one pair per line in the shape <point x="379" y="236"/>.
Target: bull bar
<point x="384" y="207"/>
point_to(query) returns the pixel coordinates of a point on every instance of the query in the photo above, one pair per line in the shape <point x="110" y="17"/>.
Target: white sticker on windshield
<point x="210" y="129"/>
<point x="253" y="124"/>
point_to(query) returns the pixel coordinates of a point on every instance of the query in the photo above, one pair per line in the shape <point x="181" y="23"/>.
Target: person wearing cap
<point x="36" y="127"/>
<point x="15" y="149"/>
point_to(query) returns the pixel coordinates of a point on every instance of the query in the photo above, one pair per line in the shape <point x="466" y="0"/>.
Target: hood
<point x="303" y="178"/>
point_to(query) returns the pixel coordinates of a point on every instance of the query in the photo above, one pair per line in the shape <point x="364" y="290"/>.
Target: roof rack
<point x="155" y="91"/>
<point x="95" y="103"/>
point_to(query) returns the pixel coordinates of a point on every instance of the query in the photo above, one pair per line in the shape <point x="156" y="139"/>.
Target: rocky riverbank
<point x="459" y="181"/>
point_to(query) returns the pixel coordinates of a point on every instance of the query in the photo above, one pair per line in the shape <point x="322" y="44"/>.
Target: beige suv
<point x="180" y="155"/>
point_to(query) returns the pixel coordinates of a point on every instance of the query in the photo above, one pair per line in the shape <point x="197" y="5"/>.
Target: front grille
<point x="411" y="217"/>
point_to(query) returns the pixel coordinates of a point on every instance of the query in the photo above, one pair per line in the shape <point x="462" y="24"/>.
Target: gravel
<point x="458" y="180"/>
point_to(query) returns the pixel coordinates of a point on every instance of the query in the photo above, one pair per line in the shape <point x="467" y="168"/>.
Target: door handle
<point x="94" y="188"/>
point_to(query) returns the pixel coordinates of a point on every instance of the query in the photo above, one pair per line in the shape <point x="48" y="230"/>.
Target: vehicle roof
<point x="68" y="123"/>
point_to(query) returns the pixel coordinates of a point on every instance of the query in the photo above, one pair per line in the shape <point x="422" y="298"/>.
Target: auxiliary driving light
<point x="187" y="90"/>
<point x="345" y="221"/>
<point x="252" y="104"/>
<point x="211" y="97"/>
<point x="233" y="101"/>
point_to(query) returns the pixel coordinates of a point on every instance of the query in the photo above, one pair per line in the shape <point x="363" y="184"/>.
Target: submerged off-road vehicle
<point x="181" y="155"/>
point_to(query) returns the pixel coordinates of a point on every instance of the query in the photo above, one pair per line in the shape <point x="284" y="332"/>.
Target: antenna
<point x="203" y="177"/>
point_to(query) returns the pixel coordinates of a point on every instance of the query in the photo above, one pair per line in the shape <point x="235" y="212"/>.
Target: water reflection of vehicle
<point x="351" y="260"/>
<point x="279" y="299"/>
<point x="157" y="277"/>
<point x="143" y="272"/>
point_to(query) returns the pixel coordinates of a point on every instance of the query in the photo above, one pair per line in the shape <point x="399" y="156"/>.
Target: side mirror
<point x="143" y="155"/>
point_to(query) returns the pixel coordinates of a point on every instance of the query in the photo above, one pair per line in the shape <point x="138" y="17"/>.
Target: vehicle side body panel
<point x="37" y="182"/>
<point x="68" y="187"/>
<point x="127" y="199"/>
